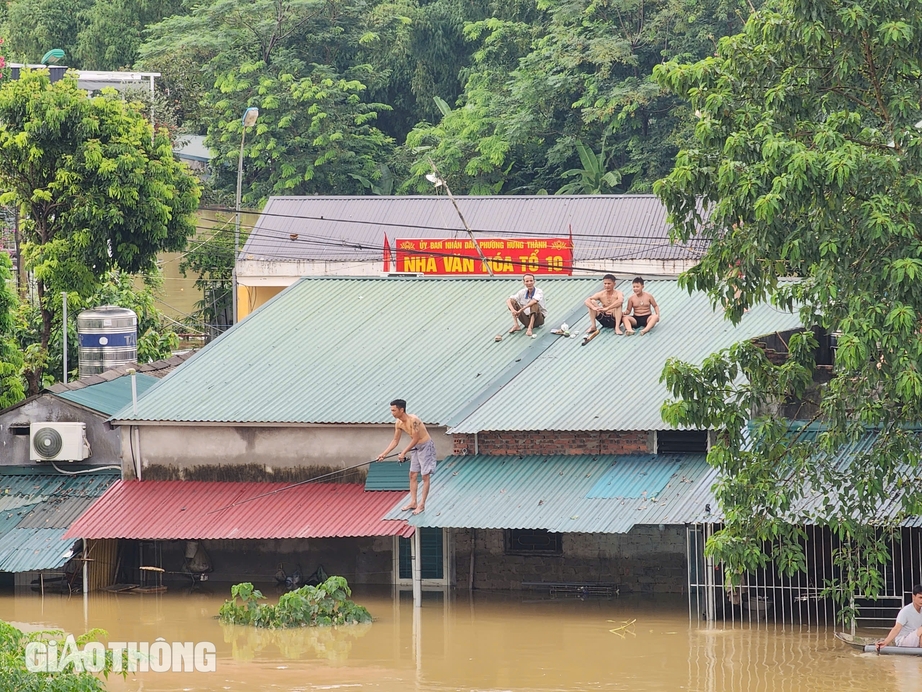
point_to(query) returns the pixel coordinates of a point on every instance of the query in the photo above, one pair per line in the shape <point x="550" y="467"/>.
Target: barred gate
<point x="766" y="596"/>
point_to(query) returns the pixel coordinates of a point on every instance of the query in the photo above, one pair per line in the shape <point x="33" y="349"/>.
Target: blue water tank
<point x="107" y="336"/>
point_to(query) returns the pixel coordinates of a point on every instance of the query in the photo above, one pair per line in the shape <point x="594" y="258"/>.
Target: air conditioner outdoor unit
<point x="58" y="442"/>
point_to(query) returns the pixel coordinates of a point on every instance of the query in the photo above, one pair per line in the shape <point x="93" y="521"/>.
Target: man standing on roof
<point x="606" y="306"/>
<point x="422" y="447"/>
<point x="908" y="625"/>
<point x="527" y="306"/>
<point x="639" y="311"/>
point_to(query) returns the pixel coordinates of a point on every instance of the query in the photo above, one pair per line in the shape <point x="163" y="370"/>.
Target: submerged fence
<point x="767" y="596"/>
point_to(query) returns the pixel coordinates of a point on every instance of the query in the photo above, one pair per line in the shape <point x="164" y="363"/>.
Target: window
<point x="533" y="542"/>
<point x="432" y="564"/>
<point x="681" y="441"/>
<point x="19" y="429"/>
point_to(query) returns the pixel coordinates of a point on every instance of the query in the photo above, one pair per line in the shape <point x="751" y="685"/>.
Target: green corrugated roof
<point x="388" y="475"/>
<point x="559" y="493"/>
<point x="613" y="383"/>
<point x="108" y="397"/>
<point x="338" y="350"/>
<point x="37" y="506"/>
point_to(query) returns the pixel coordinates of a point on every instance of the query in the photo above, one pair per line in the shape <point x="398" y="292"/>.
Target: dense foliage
<point x="506" y="97"/>
<point x="325" y="604"/>
<point x="14" y="675"/>
<point x="807" y="162"/>
<point x="96" y="188"/>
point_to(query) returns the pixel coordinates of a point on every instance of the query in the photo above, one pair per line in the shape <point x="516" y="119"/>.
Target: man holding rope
<point x="423" y="448"/>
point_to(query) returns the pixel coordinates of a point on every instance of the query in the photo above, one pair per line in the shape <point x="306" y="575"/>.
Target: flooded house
<point x="59" y="453"/>
<point x="556" y="471"/>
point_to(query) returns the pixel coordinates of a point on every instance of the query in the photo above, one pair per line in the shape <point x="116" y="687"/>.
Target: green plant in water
<point x="310" y="606"/>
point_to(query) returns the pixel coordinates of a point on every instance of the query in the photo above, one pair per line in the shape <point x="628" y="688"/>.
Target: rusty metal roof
<point x="194" y="510"/>
<point x="565" y="494"/>
<point x="622" y="227"/>
<point x="37" y="505"/>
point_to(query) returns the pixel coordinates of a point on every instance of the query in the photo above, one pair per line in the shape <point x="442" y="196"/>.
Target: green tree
<point x="807" y="163"/>
<point x="211" y="258"/>
<point x="12" y="387"/>
<point x="32" y="27"/>
<point x="112" y="31"/>
<point x="96" y="187"/>
<point x="581" y="71"/>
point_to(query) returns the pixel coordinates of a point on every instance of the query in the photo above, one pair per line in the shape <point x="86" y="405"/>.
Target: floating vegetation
<point x="310" y="606"/>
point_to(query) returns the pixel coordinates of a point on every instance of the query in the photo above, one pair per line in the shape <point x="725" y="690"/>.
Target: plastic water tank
<point x="107" y="336"/>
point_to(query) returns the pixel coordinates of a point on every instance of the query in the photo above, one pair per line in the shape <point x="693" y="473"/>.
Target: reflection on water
<point x="485" y="642"/>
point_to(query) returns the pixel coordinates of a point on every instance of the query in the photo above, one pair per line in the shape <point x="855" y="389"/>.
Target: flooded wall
<point x="188" y="446"/>
<point x="647" y="560"/>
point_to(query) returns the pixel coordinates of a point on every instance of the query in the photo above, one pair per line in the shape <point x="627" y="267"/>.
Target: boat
<point x="869" y="645"/>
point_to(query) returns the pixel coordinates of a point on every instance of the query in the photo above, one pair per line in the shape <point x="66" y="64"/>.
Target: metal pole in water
<point x="64" y="329"/>
<point x="416" y="558"/>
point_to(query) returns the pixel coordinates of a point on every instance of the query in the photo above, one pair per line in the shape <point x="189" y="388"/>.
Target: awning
<point x="198" y="510"/>
<point x="565" y="494"/>
<point x="37" y="505"/>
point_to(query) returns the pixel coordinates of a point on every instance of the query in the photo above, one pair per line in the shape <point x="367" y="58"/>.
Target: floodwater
<point x="487" y="641"/>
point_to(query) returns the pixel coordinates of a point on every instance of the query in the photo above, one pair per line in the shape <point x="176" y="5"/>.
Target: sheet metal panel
<point x="355" y="340"/>
<point x="25" y="550"/>
<point x="550" y="492"/>
<point x="623" y="227"/>
<point x="388" y="475"/>
<point x="643" y="475"/>
<point x="197" y="510"/>
<point x="564" y="387"/>
<point x="108" y="397"/>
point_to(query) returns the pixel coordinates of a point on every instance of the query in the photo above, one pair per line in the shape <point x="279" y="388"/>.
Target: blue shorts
<point x="422" y="458"/>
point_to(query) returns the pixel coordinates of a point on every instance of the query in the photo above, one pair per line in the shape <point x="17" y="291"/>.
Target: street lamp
<point x="248" y="120"/>
<point x="438" y="182"/>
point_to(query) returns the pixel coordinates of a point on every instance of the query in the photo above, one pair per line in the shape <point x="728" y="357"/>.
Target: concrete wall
<point x="105" y="441"/>
<point x="502" y="443"/>
<point x="185" y="447"/>
<point x="647" y="560"/>
<point x="359" y="560"/>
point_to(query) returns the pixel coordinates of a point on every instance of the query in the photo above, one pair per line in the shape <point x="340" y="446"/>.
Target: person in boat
<point x="908" y="627"/>
<point x="527" y="306"/>
<point x="606" y="306"/>
<point x="423" y="449"/>
<point x="639" y="310"/>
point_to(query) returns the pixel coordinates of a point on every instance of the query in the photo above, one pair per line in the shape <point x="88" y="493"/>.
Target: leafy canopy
<point x="807" y="163"/>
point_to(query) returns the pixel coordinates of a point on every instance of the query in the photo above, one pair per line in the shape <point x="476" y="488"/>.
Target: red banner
<point x="454" y="256"/>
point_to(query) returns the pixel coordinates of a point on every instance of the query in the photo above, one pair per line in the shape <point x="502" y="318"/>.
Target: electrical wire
<point x="92" y="470"/>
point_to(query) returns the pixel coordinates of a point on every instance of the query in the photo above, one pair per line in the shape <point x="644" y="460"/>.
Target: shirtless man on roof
<point x="422" y="447"/>
<point x="606" y="305"/>
<point x="641" y="304"/>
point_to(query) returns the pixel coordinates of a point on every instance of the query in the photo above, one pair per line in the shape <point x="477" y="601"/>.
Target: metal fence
<point x="767" y="596"/>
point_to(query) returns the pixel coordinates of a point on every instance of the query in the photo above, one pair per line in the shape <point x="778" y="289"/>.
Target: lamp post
<point x="438" y="182"/>
<point x="248" y="120"/>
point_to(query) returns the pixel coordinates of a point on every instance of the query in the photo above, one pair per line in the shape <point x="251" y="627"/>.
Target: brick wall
<point x="503" y="443"/>
<point x="647" y="560"/>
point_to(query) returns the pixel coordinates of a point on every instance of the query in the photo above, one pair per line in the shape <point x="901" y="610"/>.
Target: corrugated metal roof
<point x="388" y="475"/>
<point x="635" y="477"/>
<point x="551" y="493"/>
<point x="108" y="397"/>
<point x="24" y="550"/>
<point x="194" y="510"/>
<point x="613" y="383"/>
<point x="622" y="227"/>
<point x="338" y="350"/>
<point x="37" y="505"/>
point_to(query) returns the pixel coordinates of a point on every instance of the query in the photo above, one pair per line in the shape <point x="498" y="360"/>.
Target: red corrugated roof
<point x="185" y="510"/>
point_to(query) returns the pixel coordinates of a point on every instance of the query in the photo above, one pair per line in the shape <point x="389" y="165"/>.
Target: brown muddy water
<point x="487" y="641"/>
